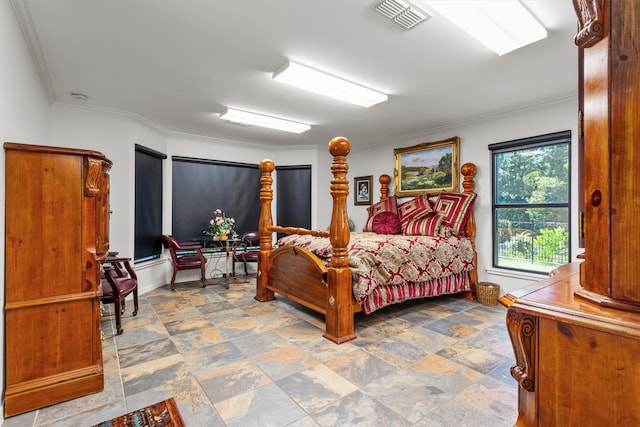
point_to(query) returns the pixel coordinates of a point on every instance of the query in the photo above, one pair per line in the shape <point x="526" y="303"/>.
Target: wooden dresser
<point x="56" y="234"/>
<point x="576" y="335"/>
<point x="576" y="362"/>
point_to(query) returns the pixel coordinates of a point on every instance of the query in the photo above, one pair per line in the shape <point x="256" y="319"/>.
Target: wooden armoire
<point x="576" y="335"/>
<point x="56" y="235"/>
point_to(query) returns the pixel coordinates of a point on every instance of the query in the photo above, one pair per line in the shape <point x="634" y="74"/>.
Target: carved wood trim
<point x="93" y="169"/>
<point x="591" y="21"/>
<point x="605" y="301"/>
<point x="523" y="331"/>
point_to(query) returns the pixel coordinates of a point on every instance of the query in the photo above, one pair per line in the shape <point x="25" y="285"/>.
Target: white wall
<point x="474" y="139"/>
<point x="24" y="114"/>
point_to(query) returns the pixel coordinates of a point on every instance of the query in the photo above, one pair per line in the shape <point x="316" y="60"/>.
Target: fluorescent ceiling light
<point x="315" y="81"/>
<point x="501" y="25"/>
<point x="247" y="118"/>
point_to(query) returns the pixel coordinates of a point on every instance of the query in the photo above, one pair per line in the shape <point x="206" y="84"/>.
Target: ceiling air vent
<point x="401" y="12"/>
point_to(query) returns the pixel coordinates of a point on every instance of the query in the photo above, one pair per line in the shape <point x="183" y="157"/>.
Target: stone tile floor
<point x="229" y="360"/>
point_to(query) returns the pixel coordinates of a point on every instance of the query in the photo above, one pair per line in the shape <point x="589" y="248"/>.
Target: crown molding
<point x="490" y="116"/>
<point x="147" y="122"/>
<point x="25" y="21"/>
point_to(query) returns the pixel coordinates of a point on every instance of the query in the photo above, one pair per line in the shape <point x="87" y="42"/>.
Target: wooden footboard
<point x="297" y="273"/>
<point x="292" y="266"/>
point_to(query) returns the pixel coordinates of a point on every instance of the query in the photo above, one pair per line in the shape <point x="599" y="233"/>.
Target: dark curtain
<point x="293" y="192"/>
<point x="148" y="203"/>
<point x="200" y="186"/>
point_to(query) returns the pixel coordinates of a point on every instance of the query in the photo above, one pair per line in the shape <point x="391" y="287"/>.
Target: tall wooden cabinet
<point x="576" y="335"/>
<point x="610" y="71"/>
<point x="56" y="235"/>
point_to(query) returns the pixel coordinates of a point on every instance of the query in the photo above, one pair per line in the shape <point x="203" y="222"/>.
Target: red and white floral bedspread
<point x="393" y="268"/>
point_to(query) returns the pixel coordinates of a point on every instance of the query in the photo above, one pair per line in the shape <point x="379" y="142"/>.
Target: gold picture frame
<point x="429" y="167"/>
<point x="362" y="190"/>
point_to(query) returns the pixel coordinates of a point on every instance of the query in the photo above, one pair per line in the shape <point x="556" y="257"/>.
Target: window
<point x="531" y="202"/>
<point x="201" y="185"/>
<point x="293" y="189"/>
<point x="148" y="204"/>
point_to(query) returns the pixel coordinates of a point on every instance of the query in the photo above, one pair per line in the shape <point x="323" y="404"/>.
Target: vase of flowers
<point x="221" y="227"/>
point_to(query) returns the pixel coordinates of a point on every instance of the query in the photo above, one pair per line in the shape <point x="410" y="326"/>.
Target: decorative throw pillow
<point x="455" y="208"/>
<point x="417" y="207"/>
<point x="390" y="204"/>
<point x="445" y="231"/>
<point x="424" y="226"/>
<point x="386" y="223"/>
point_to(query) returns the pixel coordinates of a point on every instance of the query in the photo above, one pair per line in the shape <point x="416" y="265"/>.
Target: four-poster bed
<point x="336" y="272"/>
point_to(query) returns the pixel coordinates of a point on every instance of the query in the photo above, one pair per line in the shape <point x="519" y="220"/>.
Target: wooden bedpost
<point x="384" y="186"/>
<point x="468" y="171"/>
<point x="339" y="233"/>
<point x="264" y="227"/>
<point x="339" y="313"/>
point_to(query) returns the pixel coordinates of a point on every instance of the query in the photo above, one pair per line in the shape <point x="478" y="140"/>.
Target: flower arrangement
<point x="220" y="226"/>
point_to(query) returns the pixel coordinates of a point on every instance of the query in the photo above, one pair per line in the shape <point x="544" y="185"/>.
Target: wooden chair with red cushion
<point x="118" y="282"/>
<point x="185" y="256"/>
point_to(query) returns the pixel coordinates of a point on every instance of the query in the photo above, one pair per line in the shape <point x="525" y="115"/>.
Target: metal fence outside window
<point x="518" y="247"/>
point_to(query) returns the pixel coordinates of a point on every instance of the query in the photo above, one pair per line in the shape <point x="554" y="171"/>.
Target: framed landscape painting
<point x="430" y="167"/>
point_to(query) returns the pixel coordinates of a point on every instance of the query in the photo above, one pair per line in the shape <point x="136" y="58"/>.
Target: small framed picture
<point x="362" y="190"/>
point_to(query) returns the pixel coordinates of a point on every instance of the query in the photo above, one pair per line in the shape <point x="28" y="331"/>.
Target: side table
<point x="217" y="246"/>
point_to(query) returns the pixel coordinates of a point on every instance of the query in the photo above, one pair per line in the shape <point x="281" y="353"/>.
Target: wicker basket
<point x="488" y="293"/>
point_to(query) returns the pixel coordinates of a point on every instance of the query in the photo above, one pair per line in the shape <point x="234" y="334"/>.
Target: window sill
<point x="514" y="274"/>
<point x="141" y="265"/>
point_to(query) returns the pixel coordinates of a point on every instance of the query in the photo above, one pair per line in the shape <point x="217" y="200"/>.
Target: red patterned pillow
<point x="386" y="223"/>
<point x="455" y="208"/>
<point x="417" y="207"/>
<point x="424" y="226"/>
<point x="390" y="204"/>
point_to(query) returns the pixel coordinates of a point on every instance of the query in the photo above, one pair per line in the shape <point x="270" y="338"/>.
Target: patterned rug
<point x="161" y="414"/>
